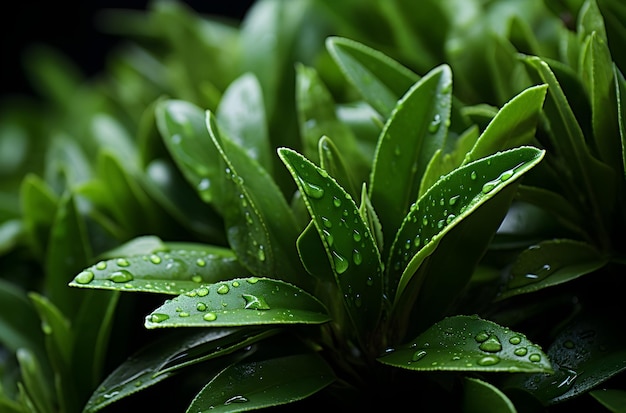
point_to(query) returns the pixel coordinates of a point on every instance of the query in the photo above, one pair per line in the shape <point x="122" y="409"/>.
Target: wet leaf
<point x="469" y="343"/>
<point x="173" y="268"/>
<point x="240" y="301"/>
<point x="550" y="263"/>
<point x="334" y="161"/>
<point x="348" y="242"/>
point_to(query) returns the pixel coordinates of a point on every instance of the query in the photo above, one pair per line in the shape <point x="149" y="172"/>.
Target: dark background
<point x="69" y="27"/>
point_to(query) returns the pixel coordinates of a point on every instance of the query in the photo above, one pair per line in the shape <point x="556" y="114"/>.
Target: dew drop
<point x="489" y="186"/>
<point x="329" y="238"/>
<point x="417" y="241"/>
<point x="424" y="221"/>
<point x="326" y="222"/>
<point x="254" y="302"/>
<point x="252" y="280"/>
<point x="535" y="358"/>
<point x="418" y="355"/>
<point x="515" y="340"/>
<point x="341" y="264"/>
<point x="441" y="223"/>
<point x="520" y="351"/>
<point x="356" y="257"/>
<point x="155" y="259"/>
<point x="506" y="175"/>
<point x="223" y="289"/>
<point x="183" y="314"/>
<point x="236" y="399"/>
<point x="158" y="317"/>
<point x="434" y="124"/>
<point x="482" y="336"/>
<point x="201" y="307"/>
<point x="356" y="236"/>
<point x="488" y="360"/>
<point x="196" y="279"/>
<point x="102" y="265"/>
<point x="336" y="202"/>
<point x="121" y="276"/>
<point x="453" y="200"/>
<point x="122" y="262"/>
<point x="261" y="253"/>
<point x="491" y="345"/>
<point x="203" y="292"/>
<point x="450" y="218"/>
<point x="235" y="284"/>
<point x="473" y="176"/>
<point x="312" y="190"/>
<point x="200" y="262"/>
<point x="209" y="317"/>
<point x="204" y="184"/>
<point x="84" y="277"/>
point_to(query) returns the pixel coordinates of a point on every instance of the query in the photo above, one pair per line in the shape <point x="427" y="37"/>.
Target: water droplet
<point x="450" y="218"/>
<point x="261" y="253"/>
<point x="341" y="264"/>
<point x="488" y="360"/>
<point x="223" y="289"/>
<point x="254" y="302"/>
<point x="102" y="265"/>
<point x="520" y="351"/>
<point x="491" y="345"/>
<point x="204" y="184"/>
<point x="312" y="190"/>
<point x="356" y="257"/>
<point x="535" y="358"/>
<point x="490" y="186"/>
<point x="482" y="336"/>
<point x="453" y="200"/>
<point x="200" y="262"/>
<point x="407" y="244"/>
<point x="506" y="175"/>
<point x="515" y="340"/>
<point x="158" y="317"/>
<point x="202" y="292"/>
<point x="434" y="124"/>
<point x="252" y="280"/>
<point x="417" y="241"/>
<point x="122" y="262"/>
<point x="356" y="236"/>
<point x="183" y="314"/>
<point x="121" y="276"/>
<point x="209" y="317"/>
<point x="329" y="237"/>
<point x="418" y="355"/>
<point x="326" y="222"/>
<point x="155" y="259"/>
<point x="201" y="307"/>
<point x="441" y="223"/>
<point x="424" y="221"/>
<point x="235" y="284"/>
<point x="196" y="279"/>
<point x="84" y="277"/>
<point x="236" y="399"/>
<point x="336" y="202"/>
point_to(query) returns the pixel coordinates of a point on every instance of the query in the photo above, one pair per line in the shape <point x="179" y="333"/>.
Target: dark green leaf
<point x="481" y="396"/>
<point x="171" y="269"/>
<point x="468" y="343"/>
<point x="19" y="324"/>
<point x="416" y="129"/>
<point x="349" y="244"/>
<point x="620" y="91"/>
<point x="453" y="198"/>
<point x="333" y="160"/>
<point x="551" y="263"/>
<point x="240" y="301"/>
<point x="39" y="205"/>
<point x="34" y="381"/>
<point x="310" y="249"/>
<point x="612" y="399"/>
<point x="368" y="214"/>
<point x="380" y="79"/>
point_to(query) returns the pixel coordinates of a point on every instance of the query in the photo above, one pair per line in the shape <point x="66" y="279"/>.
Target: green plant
<point x="390" y="233"/>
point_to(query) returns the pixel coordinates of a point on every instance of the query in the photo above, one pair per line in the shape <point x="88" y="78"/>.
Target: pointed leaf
<point x="34" y="381"/>
<point x="39" y="205"/>
<point x="620" y="92"/>
<point x="447" y="203"/>
<point x="310" y="249"/>
<point x="481" y="396"/>
<point x="349" y="244"/>
<point x="175" y="269"/>
<point x="380" y="79"/>
<point x="241" y="301"/>
<point x="19" y="324"/>
<point x="612" y="399"/>
<point x="333" y="160"/>
<point x="551" y="263"/>
<point x="369" y="216"/>
<point x="468" y="343"/>
<point x="416" y="129"/>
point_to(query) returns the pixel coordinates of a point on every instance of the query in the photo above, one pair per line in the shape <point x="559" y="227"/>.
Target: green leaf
<point x="551" y="263"/>
<point x="481" y="396"/>
<point x="333" y="160"/>
<point x="19" y="324"/>
<point x="453" y="198"/>
<point x="514" y="125"/>
<point x="34" y="381"/>
<point x="587" y="352"/>
<point x="310" y="249"/>
<point x="379" y="79"/>
<point x="39" y="205"/>
<point x="469" y="343"/>
<point x="261" y="227"/>
<point x="241" y="113"/>
<point x="349" y="244"/>
<point x="183" y="128"/>
<point x="240" y="301"/>
<point x="416" y="129"/>
<point x="620" y="92"/>
<point x="369" y="216"/>
<point x="165" y="357"/>
<point x="612" y="399"/>
<point x="264" y="382"/>
<point x="172" y="269"/>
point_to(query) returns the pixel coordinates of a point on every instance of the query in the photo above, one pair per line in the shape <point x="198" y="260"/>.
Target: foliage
<point x="348" y="201"/>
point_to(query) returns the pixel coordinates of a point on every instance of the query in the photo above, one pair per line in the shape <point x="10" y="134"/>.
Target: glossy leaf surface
<point x="349" y="244"/>
<point x="240" y="301"/>
<point x="469" y="343"/>
<point x="481" y="396"/>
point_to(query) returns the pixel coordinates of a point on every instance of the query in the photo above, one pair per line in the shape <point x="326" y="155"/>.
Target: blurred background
<point x="71" y="27"/>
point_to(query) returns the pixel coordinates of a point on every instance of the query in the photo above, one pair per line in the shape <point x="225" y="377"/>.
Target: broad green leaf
<point x="550" y="263"/>
<point x="35" y="381"/>
<point x="261" y="227"/>
<point x="449" y="201"/>
<point x="590" y="20"/>
<point x="612" y="399"/>
<point x="240" y="301"/>
<point x="349" y="244"/>
<point x="514" y="125"/>
<point x="597" y="74"/>
<point x="67" y="165"/>
<point x="39" y="205"/>
<point x="469" y="343"/>
<point x="264" y="382"/>
<point x="241" y="113"/>
<point x="333" y="161"/>
<point x="587" y="352"/>
<point x="317" y="119"/>
<point x="416" y="129"/>
<point x="163" y="358"/>
<point x="379" y="79"/>
<point x="174" y="269"/>
<point x="68" y="251"/>
<point x="481" y="396"/>
<point x="183" y="128"/>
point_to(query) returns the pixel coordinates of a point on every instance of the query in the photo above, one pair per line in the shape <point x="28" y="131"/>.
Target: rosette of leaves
<point x="357" y="279"/>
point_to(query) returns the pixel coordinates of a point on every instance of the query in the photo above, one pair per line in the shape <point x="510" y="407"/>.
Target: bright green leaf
<point x="334" y="161"/>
